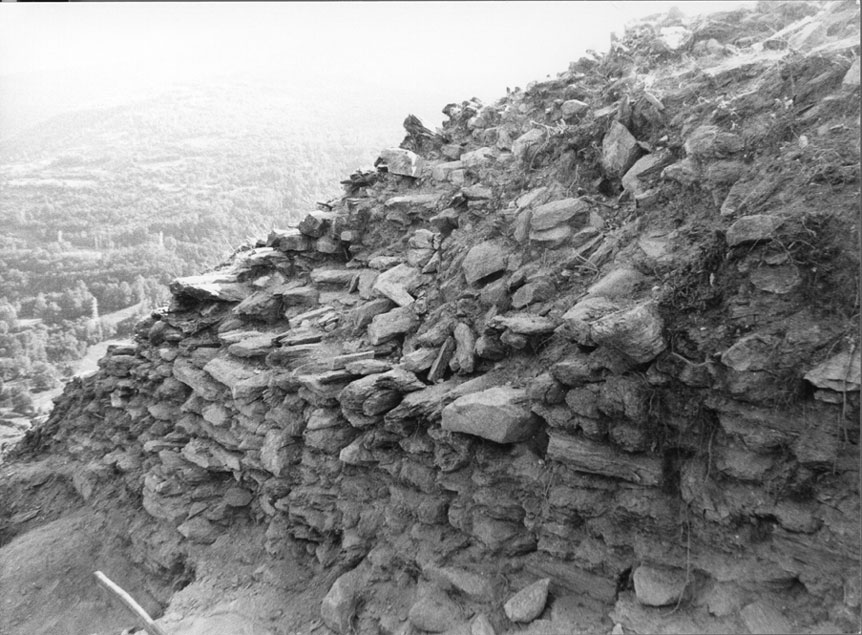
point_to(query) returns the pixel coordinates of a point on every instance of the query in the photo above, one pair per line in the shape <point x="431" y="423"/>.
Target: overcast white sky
<point x="446" y="51"/>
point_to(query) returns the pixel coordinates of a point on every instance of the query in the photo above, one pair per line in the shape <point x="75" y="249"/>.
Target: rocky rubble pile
<point x="595" y="340"/>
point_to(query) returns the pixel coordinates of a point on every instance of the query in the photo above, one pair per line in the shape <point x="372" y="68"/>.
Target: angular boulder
<point x="500" y="414"/>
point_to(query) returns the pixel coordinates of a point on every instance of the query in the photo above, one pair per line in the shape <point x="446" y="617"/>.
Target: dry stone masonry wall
<point x="596" y="339"/>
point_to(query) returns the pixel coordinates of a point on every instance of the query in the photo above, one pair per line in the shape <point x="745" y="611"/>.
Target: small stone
<point x="752" y="352"/>
<point x="684" y="172"/>
<point x="363" y="315"/>
<point x="551" y="238"/>
<point x="483" y="260"/>
<point x="339" y="606"/>
<point x="514" y="340"/>
<point x="387" y="326"/>
<point x="434" y="612"/>
<point x="316" y="224"/>
<point x="742" y="464"/>
<point x="438" y="368"/>
<point x="851" y="78"/>
<point x="532" y="292"/>
<point x="573" y="107"/>
<point x="216" y="414"/>
<point x="199" y="530"/>
<point x="578" y="319"/>
<point x="465" y="345"/>
<point x="528" y="603"/>
<point x="481" y="625"/>
<point x="620" y="150"/>
<point x="219" y="285"/>
<point x="477" y="158"/>
<point x="779" y="280"/>
<point x="474" y="585"/>
<point x="618" y="283"/>
<point x="412" y="203"/>
<point x="401" y="162"/>
<point x="333" y="277"/>
<point x="442" y="171"/>
<point x="659" y="586"/>
<point x="290" y="239"/>
<point x="762" y="618"/>
<point x="556" y="213"/>
<point x="488" y="347"/>
<point x="753" y="228"/>
<point x="674" y="37"/>
<point x="397" y="283"/>
<point x="631" y="180"/>
<point x="840" y="373"/>
<point x="477" y="192"/>
<point x="523" y="146"/>
<point x="535" y="196"/>
<point x="237" y="497"/>
<point x="709" y="142"/>
<point x="524" y="324"/>
<point x="635" y="332"/>
<point x="419" y="360"/>
<point x="298" y="296"/>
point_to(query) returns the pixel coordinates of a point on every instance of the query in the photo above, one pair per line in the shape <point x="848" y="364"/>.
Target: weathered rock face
<point x="495" y="360"/>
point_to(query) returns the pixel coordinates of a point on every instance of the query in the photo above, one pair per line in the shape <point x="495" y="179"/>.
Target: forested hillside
<point x="102" y="207"/>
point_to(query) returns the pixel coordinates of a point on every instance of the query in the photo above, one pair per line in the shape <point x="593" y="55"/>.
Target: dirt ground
<point x="51" y="543"/>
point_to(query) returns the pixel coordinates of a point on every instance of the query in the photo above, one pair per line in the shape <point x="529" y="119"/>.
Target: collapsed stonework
<point x="594" y="342"/>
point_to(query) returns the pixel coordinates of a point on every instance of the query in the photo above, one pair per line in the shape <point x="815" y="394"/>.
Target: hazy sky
<point x="441" y="51"/>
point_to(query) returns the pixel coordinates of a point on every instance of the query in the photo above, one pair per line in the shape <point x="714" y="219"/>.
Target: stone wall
<point x="600" y="331"/>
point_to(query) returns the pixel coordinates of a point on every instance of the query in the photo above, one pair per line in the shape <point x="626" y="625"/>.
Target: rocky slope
<point x="595" y="342"/>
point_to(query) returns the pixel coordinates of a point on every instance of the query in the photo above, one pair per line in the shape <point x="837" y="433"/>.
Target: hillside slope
<point x="583" y="360"/>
